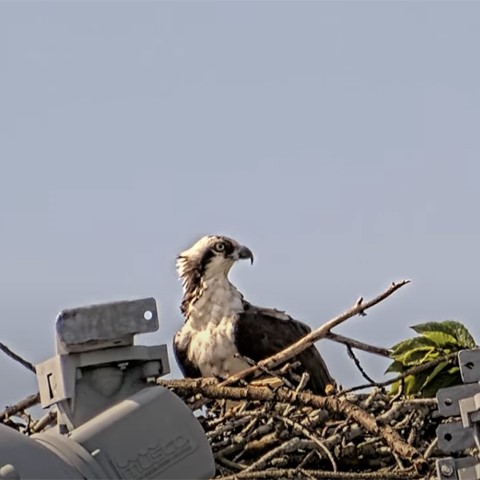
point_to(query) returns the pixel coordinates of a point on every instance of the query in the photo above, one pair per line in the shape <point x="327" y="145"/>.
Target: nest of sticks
<point x="273" y="428"/>
<point x="258" y="431"/>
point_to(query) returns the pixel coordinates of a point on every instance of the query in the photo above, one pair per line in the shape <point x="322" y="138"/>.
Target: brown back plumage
<point x="261" y="332"/>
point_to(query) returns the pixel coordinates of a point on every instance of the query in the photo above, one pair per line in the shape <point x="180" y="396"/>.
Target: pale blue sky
<point x="340" y="141"/>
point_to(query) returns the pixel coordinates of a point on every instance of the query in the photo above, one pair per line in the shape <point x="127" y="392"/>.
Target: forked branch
<point x="321" y="332"/>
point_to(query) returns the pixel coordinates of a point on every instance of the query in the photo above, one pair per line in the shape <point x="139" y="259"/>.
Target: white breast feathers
<point x="210" y="328"/>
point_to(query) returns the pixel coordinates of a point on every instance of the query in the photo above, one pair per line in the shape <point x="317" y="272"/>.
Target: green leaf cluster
<point x="434" y="340"/>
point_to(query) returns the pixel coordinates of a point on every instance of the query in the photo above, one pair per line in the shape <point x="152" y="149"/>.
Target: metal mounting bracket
<point x="97" y="364"/>
<point x="462" y="404"/>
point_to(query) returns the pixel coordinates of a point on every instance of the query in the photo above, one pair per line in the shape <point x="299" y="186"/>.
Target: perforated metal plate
<point x="448" y="398"/>
<point x="469" y="361"/>
<point x="106" y="324"/>
<point x="453" y="436"/>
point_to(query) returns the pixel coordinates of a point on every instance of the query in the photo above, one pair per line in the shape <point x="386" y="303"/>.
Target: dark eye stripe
<point x="206" y="257"/>
<point x="229" y="248"/>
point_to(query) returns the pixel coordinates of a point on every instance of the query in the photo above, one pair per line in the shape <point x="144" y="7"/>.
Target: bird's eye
<point x="220" y="247"/>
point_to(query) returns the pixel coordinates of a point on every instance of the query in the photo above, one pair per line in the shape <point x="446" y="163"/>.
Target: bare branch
<point x="286" y="447"/>
<point x="321" y="332"/>
<point x="17" y="358"/>
<point x="272" y="473"/>
<point x="383" y="352"/>
<point x="48" y="419"/>
<point x="411" y="371"/>
<point x="28" y="402"/>
<point x="357" y="363"/>
<point x="322" y="447"/>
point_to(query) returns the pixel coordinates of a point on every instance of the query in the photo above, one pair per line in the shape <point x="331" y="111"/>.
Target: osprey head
<point x="210" y="256"/>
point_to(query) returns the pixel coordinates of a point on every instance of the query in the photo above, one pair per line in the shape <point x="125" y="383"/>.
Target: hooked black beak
<point x="244" y="253"/>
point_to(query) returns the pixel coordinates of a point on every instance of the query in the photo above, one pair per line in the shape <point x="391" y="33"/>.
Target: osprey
<point x="221" y="327"/>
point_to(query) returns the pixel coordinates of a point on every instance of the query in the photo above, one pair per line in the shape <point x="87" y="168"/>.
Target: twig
<point x="430" y="448"/>
<point x="48" y="419"/>
<point x="288" y="367"/>
<point x="230" y="464"/>
<point x="28" y="402"/>
<point x="262" y="442"/>
<point x="383" y="352"/>
<point x="411" y="371"/>
<point x="399" y="394"/>
<point x="17" y="358"/>
<point x="301" y="385"/>
<point x="402" y="408"/>
<point x="308" y="340"/>
<point x="307" y="458"/>
<point x="225" y="427"/>
<point x="271" y="473"/>
<point x="399" y="461"/>
<point x="285" y="447"/>
<point x="267" y="371"/>
<point x="309" y="435"/>
<point x="356" y="361"/>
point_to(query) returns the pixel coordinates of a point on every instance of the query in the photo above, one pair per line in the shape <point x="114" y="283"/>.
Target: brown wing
<point x="261" y="332"/>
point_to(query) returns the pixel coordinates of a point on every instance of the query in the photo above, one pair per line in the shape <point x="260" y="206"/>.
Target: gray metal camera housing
<point x="113" y="420"/>
<point x="97" y="364"/>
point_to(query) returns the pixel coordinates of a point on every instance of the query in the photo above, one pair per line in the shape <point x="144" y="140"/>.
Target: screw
<point x="446" y="470"/>
<point x="8" y="472"/>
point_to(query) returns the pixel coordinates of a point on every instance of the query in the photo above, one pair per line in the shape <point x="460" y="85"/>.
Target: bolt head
<point x="446" y="470"/>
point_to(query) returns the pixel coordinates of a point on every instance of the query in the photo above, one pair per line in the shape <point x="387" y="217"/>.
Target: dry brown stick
<point x="286" y="447"/>
<point x="241" y="442"/>
<point x="383" y="352"/>
<point x="399" y="461"/>
<point x="301" y="385"/>
<point x="431" y="448"/>
<point x="308" y="340"/>
<point x="357" y="363"/>
<point x="323" y="448"/>
<point x="307" y="458"/>
<point x="259" y="442"/>
<point x="333" y="404"/>
<point x="17" y="358"/>
<point x="265" y="370"/>
<point x="28" y="402"/>
<point x="227" y="426"/>
<point x="402" y="408"/>
<point x="48" y="419"/>
<point x="272" y="473"/>
<point x="287" y="368"/>
<point x="230" y="463"/>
